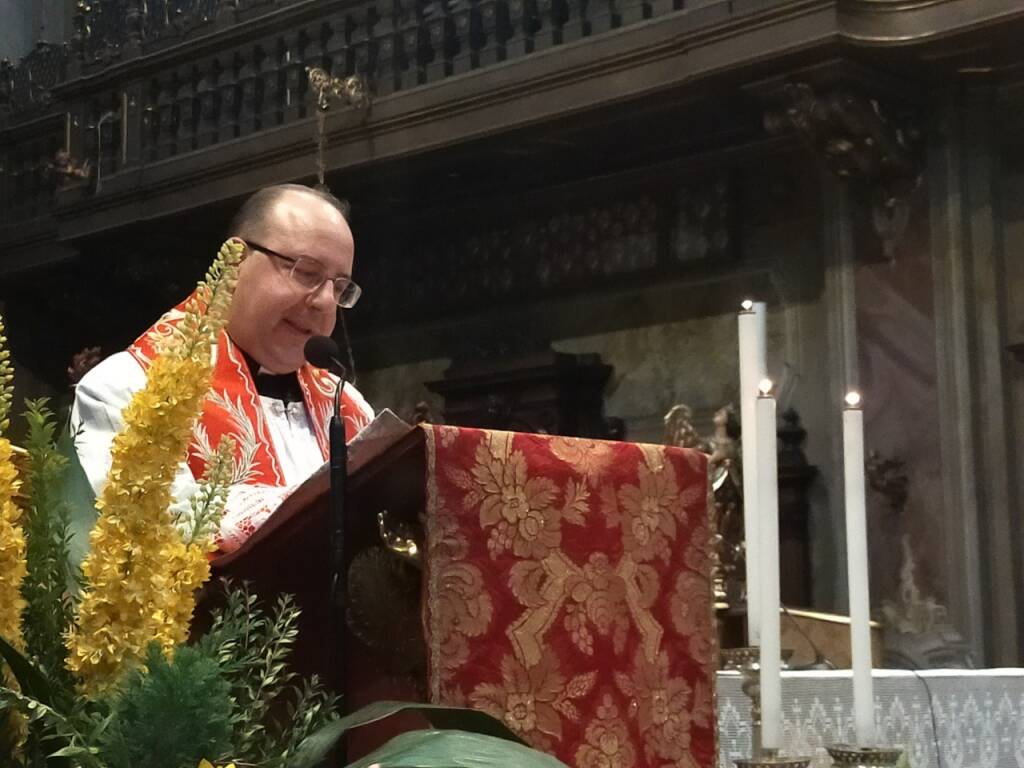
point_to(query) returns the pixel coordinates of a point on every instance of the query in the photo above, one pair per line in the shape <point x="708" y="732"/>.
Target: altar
<point x="944" y="718"/>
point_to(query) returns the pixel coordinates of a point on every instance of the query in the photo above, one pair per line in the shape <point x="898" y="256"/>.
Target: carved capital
<point x="864" y="132"/>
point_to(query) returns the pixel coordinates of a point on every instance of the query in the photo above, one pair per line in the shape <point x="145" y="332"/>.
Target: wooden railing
<point x="144" y="81"/>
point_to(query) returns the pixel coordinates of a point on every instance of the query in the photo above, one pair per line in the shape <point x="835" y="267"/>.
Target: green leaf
<point x="73" y="752"/>
<point x="317" y="745"/>
<point x="81" y="503"/>
<point x="454" y="749"/>
<point x="32" y="682"/>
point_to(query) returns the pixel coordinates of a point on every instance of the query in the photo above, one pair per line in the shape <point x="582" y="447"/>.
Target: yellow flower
<point x="12" y="539"/>
<point x="13" y="565"/>
<point x="140" y="574"/>
<point x="207" y="764"/>
<point x="12" y="550"/>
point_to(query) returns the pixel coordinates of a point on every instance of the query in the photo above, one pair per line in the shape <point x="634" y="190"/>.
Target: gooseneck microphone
<point x="323" y="352"/>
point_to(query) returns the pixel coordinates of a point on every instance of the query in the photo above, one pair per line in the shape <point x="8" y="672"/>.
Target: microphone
<point x="324" y="352"/>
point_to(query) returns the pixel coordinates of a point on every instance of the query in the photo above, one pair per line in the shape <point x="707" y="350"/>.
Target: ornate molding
<point x="905" y="22"/>
<point x="866" y="133"/>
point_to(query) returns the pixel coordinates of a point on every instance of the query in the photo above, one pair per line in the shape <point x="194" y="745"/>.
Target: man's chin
<point x="284" y="365"/>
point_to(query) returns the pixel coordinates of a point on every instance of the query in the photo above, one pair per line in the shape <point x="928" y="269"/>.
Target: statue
<point x="64" y="170"/>
<point x="726" y="489"/>
<point x="918" y="634"/>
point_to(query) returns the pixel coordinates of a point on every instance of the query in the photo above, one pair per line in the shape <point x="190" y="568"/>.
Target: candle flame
<point x="747" y="305"/>
<point x="765" y="387"/>
<point x="853" y="399"/>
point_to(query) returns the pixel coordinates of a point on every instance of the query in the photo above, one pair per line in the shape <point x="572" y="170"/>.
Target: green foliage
<point x="207" y="504"/>
<point x="52" y="729"/>
<point x="46" y="522"/>
<point x="170" y="714"/>
<point x="77" y="495"/>
<point x="252" y="648"/>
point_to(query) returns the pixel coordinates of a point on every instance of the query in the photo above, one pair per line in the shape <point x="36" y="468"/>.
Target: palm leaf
<point x="317" y="745"/>
<point x="454" y="749"/>
<point x="31" y="681"/>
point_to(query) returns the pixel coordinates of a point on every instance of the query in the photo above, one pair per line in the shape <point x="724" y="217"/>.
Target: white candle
<point x="753" y="354"/>
<point x="857" y="570"/>
<point x="768" y="570"/>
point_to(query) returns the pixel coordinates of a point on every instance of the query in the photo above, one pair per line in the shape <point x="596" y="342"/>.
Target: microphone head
<point x="323" y="352"/>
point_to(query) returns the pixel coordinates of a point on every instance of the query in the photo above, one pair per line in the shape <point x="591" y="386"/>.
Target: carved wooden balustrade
<point x="201" y="72"/>
<point x="146" y="82"/>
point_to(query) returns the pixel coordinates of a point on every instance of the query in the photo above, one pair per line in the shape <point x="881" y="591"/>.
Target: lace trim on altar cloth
<point x="978" y="716"/>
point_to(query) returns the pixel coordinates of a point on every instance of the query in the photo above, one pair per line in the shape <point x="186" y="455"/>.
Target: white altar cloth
<point x="973" y="718"/>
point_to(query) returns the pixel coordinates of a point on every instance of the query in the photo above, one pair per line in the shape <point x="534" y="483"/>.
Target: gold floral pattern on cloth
<point x="532" y="700"/>
<point x="462" y="609"/>
<point x="664" y="708"/>
<point x="607" y="740"/>
<point x="568" y="593"/>
<point x="597" y="596"/>
<point x="517" y="510"/>
<point x="590" y="458"/>
<point x="690" y="615"/>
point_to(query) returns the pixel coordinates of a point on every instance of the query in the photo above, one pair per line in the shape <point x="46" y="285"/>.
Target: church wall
<point x="1014" y="261"/>
<point x="676" y="343"/>
<point x="898" y="377"/>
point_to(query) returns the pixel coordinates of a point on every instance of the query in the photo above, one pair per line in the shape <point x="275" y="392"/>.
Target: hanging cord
<point x="348" y="346"/>
<point x="931" y="713"/>
<point x="820" y="662"/>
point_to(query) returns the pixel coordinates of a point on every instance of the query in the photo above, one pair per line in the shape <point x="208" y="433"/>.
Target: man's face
<point x="271" y="316"/>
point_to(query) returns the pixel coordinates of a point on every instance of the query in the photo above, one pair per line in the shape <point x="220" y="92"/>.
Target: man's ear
<point x="246" y="250"/>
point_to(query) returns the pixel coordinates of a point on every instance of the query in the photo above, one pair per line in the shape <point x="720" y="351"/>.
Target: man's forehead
<point x="294" y="205"/>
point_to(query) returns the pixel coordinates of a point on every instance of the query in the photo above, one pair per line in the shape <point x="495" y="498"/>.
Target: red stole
<point x="233" y="407"/>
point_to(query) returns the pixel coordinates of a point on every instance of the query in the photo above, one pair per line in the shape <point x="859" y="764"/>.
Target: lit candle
<point x="753" y="346"/>
<point x="857" y="570"/>
<point x="768" y="569"/>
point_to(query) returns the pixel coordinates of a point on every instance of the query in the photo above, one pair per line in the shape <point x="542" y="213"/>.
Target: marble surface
<point x="400" y="387"/>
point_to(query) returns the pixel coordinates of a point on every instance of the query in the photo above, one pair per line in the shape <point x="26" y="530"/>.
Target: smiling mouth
<point x="299" y="328"/>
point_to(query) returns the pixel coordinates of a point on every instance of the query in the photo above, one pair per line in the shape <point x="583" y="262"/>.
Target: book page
<point x="385" y="430"/>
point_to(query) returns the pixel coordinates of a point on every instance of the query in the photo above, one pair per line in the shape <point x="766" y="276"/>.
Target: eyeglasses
<point x="310" y="275"/>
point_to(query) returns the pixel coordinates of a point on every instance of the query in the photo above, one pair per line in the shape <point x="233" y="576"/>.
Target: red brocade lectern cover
<point x="568" y="593"/>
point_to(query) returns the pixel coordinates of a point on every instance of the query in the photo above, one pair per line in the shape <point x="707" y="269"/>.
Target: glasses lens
<point x="347" y="293"/>
<point x="308" y="274"/>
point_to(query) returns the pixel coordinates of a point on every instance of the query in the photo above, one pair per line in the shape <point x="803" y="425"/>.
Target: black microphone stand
<point x="339" y="574"/>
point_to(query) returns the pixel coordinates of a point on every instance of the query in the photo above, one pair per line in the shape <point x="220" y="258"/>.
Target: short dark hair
<point x="256" y="207"/>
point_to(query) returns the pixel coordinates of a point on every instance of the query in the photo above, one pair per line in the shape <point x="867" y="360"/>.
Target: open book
<point x="385" y="430"/>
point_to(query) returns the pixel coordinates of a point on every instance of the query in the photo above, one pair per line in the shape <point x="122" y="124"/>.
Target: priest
<point x="296" y="275"/>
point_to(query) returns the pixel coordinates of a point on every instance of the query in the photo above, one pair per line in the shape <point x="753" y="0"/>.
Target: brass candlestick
<point x="747" y="661"/>
<point x="864" y="757"/>
<point x="771" y="759"/>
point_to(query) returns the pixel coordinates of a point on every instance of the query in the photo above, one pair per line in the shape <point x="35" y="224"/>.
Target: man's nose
<point x="323" y="297"/>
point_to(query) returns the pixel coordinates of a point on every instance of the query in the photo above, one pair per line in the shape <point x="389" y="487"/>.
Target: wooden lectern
<point x="565" y="588"/>
<point x="290" y="554"/>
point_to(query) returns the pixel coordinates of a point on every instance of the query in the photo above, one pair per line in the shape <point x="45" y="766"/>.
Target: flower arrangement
<point x="96" y="667"/>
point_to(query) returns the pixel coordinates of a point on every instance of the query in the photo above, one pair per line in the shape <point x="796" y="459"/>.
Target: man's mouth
<point x="298" y="327"/>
